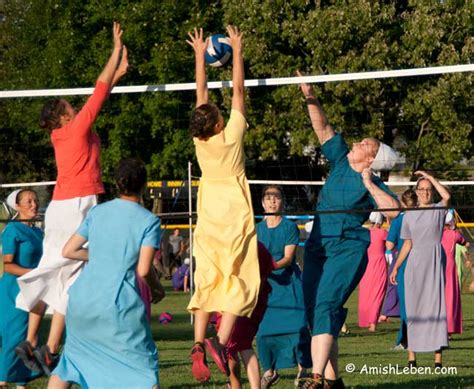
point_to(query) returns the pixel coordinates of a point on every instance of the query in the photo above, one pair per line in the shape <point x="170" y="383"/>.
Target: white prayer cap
<point x="449" y="219"/>
<point x="376" y="217"/>
<point x="186" y="261"/>
<point x="308" y="227"/>
<point x="385" y="159"/>
<point x="11" y="201"/>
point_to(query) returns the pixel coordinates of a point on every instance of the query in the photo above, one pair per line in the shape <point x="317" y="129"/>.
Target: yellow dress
<point x="227" y="274"/>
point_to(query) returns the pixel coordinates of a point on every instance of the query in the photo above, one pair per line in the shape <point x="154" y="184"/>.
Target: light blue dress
<point x="109" y="342"/>
<point x="283" y="338"/>
<point x="25" y="244"/>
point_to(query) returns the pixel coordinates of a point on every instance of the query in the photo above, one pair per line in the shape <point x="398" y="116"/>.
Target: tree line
<point x="64" y="44"/>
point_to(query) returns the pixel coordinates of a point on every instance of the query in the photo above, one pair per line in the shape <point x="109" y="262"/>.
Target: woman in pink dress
<point x="451" y="237"/>
<point x="373" y="285"/>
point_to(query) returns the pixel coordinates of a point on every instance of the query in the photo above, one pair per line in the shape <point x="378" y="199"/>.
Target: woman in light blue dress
<point x="109" y="342"/>
<point x="22" y="249"/>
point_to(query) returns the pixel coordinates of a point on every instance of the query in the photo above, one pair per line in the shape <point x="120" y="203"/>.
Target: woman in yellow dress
<point x="227" y="274"/>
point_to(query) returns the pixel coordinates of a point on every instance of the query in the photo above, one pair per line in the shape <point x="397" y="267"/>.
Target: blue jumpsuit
<point x="25" y="244"/>
<point x="283" y="339"/>
<point x="109" y="342"/>
<point x="335" y="255"/>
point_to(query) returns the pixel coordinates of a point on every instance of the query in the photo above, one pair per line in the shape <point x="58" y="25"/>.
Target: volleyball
<point x="219" y="50"/>
<point x="165" y="318"/>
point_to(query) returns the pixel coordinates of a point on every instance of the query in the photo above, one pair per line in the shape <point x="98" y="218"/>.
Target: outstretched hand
<point x="197" y="41"/>
<point x="117" y="32"/>
<point x="307" y="89"/>
<point x="235" y="37"/>
<point x="123" y="65"/>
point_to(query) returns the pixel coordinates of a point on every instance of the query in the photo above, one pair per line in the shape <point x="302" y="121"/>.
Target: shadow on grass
<point x="437" y="382"/>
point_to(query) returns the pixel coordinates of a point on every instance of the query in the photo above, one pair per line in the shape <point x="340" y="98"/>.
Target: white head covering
<point x="449" y="219"/>
<point x="11" y="202"/>
<point x="186" y="261"/>
<point x="308" y="226"/>
<point x="376" y="217"/>
<point x="385" y="159"/>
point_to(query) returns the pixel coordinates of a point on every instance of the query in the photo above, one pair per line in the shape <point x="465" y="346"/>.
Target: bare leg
<point x="411" y="356"/>
<point x="55" y="332"/>
<point x="320" y="350"/>
<point x="226" y="327"/>
<point x="372" y="327"/>
<point x="331" y="371"/>
<point x="234" y="367"/>
<point x="438" y="356"/>
<point x="34" y="321"/>
<point x="252" y="367"/>
<point x="56" y="383"/>
<point x="201" y="319"/>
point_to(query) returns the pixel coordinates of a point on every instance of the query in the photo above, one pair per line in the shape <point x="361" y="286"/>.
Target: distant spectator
<point x="180" y="278"/>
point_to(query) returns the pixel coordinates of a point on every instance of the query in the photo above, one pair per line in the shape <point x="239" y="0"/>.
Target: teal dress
<point x="109" y="342"/>
<point x="394" y="237"/>
<point x="283" y="339"/>
<point x="26" y="245"/>
<point x="335" y="255"/>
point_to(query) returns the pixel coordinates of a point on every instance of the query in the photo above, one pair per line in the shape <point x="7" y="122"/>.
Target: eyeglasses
<point x="272" y="196"/>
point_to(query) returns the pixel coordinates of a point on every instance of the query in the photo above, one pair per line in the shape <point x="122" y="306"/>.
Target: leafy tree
<point x="54" y="44"/>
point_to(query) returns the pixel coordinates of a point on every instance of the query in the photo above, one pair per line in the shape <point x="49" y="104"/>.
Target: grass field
<point x="359" y="348"/>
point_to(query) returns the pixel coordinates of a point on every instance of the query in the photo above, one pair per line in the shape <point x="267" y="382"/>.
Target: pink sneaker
<point x="219" y="354"/>
<point x="199" y="368"/>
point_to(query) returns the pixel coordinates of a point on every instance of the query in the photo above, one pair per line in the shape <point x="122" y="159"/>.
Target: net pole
<point x="190" y="220"/>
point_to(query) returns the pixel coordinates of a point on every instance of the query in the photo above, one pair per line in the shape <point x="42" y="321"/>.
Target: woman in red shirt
<point x="77" y="154"/>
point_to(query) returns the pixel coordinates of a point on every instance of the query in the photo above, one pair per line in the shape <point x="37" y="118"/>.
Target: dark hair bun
<point x="130" y="176"/>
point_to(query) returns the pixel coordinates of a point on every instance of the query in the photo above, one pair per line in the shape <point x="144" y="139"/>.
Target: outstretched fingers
<point x="305" y="88"/>
<point x="117" y="32"/>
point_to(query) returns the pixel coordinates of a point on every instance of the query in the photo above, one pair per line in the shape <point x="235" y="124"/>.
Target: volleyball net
<point x="290" y="158"/>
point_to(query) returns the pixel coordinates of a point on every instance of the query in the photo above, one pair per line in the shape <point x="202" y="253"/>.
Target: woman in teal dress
<point x="335" y="255"/>
<point x="283" y="339"/>
<point x="394" y="242"/>
<point x="22" y="250"/>
<point x="109" y="342"/>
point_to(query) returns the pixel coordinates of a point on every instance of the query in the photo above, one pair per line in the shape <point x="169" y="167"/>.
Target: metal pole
<point x="190" y="221"/>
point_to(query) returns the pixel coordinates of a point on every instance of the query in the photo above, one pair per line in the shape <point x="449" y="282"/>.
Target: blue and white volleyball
<point x="219" y="50"/>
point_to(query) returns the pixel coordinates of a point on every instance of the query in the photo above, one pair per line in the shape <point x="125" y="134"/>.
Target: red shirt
<point x="77" y="151"/>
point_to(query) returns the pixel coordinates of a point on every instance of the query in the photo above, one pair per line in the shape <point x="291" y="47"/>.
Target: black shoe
<point x="46" y="359"/>
<point x="438" y="364"/>
<point x="412" y="363"/>
<point x="25" y="352"/>
<point x="334" y="384"/>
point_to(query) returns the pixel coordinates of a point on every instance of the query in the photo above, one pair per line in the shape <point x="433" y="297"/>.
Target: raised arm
<point x="319" y="121"/>
<point x="108" y="74"/>
<point x="441" y="189"/>
<point x="197" y="42"/>
<point x="238" y="74"/>
<point x="382" y="199"/>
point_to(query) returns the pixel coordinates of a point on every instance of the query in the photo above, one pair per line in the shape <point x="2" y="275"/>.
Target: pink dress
<point x="452" y="290"/>
<point x="373" y="285"/>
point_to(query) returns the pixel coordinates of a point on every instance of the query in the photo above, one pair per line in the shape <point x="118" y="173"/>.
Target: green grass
<point x="360" y="348"/>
